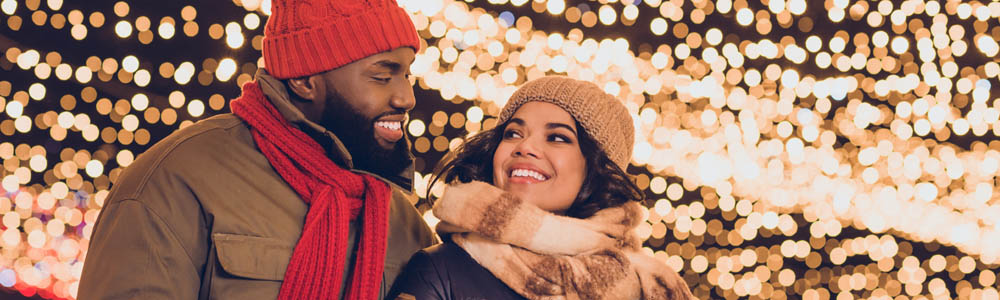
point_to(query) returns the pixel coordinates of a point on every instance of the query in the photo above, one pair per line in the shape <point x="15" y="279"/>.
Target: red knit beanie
<point x="307" y="37"/>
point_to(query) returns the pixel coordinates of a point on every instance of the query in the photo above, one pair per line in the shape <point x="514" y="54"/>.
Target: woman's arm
<point x="421" y="279"/>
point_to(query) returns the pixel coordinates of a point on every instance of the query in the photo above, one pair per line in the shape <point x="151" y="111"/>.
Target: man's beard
<point x="358" y="135"/>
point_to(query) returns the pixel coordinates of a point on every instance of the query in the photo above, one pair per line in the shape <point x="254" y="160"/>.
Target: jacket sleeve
<point x="421" y="279"/>
<point x="135" y="254"/>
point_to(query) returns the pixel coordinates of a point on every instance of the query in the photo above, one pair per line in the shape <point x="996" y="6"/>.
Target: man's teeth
<point x="527" y="173"/>
<point x="390" y="125"/>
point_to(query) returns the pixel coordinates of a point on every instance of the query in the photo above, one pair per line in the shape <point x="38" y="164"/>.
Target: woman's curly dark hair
<point x="606" y="185"/>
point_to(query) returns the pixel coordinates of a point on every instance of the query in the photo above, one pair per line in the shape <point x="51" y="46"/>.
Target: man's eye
<point x="382" y="79"/>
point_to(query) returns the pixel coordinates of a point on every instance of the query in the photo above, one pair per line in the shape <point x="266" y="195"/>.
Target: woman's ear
<point x="309" y="88"/>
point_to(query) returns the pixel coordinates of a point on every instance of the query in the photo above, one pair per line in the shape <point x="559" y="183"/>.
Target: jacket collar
<point x="277" y="93"/>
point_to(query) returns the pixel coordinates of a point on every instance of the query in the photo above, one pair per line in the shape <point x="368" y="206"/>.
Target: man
<point x="304" y="192"/>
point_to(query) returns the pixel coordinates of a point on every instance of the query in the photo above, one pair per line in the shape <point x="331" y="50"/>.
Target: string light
<point x="781" y="161"/>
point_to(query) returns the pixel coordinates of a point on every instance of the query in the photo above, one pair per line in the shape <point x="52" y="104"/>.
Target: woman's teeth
<point x="527" y="173"/>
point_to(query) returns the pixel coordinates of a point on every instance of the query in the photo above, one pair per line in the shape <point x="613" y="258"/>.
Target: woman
<point x="556" y="220"/>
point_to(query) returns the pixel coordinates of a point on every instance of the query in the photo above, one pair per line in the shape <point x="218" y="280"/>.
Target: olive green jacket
<point x="203" y="215"/>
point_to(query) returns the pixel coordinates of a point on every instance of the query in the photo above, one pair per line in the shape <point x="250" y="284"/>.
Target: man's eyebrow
<point x="388" y="64"/>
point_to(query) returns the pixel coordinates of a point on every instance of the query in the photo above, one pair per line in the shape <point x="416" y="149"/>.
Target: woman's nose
<point x="526" y="147"/>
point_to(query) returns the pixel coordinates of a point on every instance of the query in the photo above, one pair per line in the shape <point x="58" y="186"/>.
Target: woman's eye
<point x="559" y="138"/>
<point x="511" y="134"/>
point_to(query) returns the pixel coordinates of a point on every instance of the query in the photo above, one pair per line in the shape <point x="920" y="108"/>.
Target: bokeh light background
<point x="790" y="149"/>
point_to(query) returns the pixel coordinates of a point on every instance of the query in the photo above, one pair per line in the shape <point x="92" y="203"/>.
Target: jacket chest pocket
<point x="248" y="267"/>
<point x="252" y="257"/>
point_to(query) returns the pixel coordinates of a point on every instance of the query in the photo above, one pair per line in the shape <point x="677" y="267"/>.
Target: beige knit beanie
<point x="603" y="116"/>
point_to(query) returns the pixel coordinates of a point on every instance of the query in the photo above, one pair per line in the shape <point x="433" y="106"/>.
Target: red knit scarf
<point x="335" y="197"/>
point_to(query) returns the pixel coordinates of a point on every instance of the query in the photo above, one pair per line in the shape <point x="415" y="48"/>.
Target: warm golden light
<point x="837" y="149"/>
<point x="123" y="29"/>
<point x="226" y="69"/>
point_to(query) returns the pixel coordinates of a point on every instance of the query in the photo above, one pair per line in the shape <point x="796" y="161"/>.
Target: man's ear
<point x="309" y="88"/>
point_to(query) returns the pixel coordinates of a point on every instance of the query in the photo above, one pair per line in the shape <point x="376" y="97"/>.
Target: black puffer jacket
<point x="446" y="272"/>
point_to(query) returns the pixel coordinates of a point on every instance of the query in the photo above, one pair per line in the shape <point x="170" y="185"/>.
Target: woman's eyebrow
<point x="560" y="125"/>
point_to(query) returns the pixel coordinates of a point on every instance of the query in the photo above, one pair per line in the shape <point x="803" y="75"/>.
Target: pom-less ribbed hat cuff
<point x="343" y="40"/>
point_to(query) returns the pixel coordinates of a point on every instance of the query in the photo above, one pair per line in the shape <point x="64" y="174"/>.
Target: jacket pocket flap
<point x="252" y="257"/>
